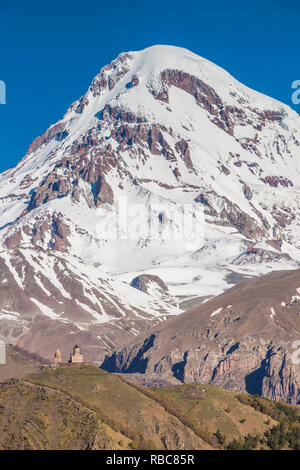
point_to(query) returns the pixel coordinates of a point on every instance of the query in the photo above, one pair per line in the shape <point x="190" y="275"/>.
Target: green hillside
<point x="87" y="408"/>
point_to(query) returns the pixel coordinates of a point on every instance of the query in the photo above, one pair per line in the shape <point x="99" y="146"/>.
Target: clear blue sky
<point x="50" y="51"/>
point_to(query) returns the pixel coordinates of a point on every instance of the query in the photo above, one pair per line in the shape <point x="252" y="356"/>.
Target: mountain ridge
<point x="242" y="340"/>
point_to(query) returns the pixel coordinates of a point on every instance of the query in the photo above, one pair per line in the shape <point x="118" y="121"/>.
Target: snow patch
<point x="216" y="312"/>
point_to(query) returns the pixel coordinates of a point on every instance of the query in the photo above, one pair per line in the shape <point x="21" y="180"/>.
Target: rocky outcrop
<point x="102" y="192"/>
<point x="182" y="148"/>
<point x="153" y="285"/>
<point x="247" y="192"/>
<point x="274" y="181"/>
<point x="50" y="134"/>
<point x="227" y="213"/>
<point x="56" y="186"/>
<point x="144" y="282"/>
<point x="60" y="233"/>
<point x="254" y="255"/>
<point x="204" y="94"/>
<point x="13" y="240"/>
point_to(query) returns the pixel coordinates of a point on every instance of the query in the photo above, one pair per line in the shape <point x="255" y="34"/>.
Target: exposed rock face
<point x="52" y="188"/>
<point x="153" y="285"/>
<point x="102" y="192"/>
<point x="242" y="340"/>
<point x="144" y="283"/>
<point x="14" y="239"/>
<point x="247" y="191"/>
<point x="204" y="95"/>
<point x="53" y="132"/>
<point x="226" y="213"/>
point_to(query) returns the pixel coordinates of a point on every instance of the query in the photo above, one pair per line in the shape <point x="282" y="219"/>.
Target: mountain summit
<point x="161" y="127"/>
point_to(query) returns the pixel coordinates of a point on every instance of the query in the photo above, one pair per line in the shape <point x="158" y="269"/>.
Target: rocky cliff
<point x="244" y="340"/>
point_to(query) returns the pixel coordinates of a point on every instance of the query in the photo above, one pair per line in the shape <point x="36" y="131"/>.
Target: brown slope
<point x="241" y="340"/>
<point x="38" y="418"/>
<point x="49" y="303"/>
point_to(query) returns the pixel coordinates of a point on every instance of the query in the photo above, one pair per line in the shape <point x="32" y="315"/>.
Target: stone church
<point x="75" y="357"/>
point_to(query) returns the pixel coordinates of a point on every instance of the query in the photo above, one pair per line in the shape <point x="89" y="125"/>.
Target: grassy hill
<point x="88" y="408"/>
<point x="232" y="421"/>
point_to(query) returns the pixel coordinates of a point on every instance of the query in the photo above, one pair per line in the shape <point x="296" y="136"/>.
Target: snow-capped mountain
<point x="162" y="129"/>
